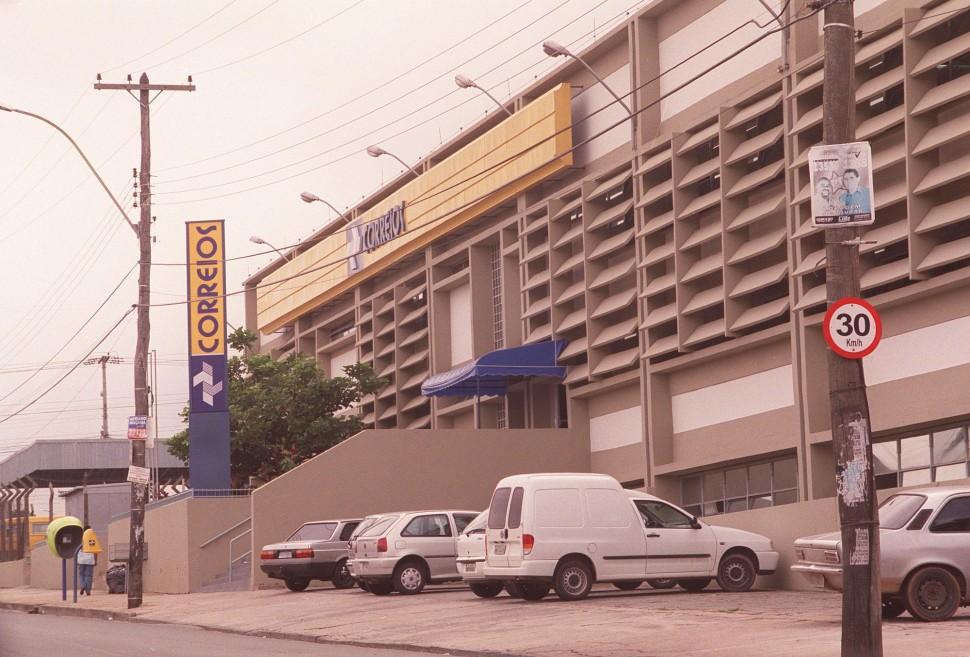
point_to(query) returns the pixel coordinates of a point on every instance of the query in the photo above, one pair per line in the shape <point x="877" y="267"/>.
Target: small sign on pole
<point x="138" y="427"/>
<point x="139" y="475"/>
<point x="841" y="179"/>
<point x="852" y="327"/>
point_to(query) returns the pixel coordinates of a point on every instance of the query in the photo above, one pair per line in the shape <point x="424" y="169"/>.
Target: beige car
<point x="924" y="556"/>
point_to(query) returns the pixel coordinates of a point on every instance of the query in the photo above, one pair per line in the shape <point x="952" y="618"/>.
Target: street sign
<point x="841" y="185"/>
<point x="852" y="327"/>
<point x="138" y="427"/>
<point x="139" y="475"/>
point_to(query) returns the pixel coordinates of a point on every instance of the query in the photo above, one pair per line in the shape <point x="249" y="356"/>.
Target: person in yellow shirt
<point x="87" y="558"/>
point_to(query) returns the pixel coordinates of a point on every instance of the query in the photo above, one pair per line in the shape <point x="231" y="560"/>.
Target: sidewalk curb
<point x="133" y="617"/>
<point x="62" y="610"/>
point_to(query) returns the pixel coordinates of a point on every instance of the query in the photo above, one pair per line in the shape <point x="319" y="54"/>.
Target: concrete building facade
<point x="674" y="254"/>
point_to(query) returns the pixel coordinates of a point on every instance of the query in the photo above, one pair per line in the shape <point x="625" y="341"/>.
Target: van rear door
<point x="496" y="541"/>
<point x="513" y="528"/>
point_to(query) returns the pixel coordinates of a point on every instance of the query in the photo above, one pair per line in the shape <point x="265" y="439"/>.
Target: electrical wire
<point x="71" y="371"/>
<point x="558" y="156"/>
<point x="218" y="36"/>
<point x="379" y="87"/>
<point x="862" y="33"/>
<point x="284" y="42"/>
<point x="73" y="336"/>
<point x="325" y="164"/>
<point x="359" y="116"/>
<point x="173" y="39"/>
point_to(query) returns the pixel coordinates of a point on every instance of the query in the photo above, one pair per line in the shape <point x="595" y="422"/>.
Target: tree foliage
<point x="283" y="412"/>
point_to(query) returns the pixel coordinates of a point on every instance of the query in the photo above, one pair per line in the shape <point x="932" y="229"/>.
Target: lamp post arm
<point x="83" y="156"/>
<point x="408" y="166"/>
<point x="601" y="81"/>
<point x="339" y="213"/>
<point x="495" y="100"/>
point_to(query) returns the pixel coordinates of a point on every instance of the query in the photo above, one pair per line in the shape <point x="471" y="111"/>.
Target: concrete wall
<point x="174" y="534"/>
<point x="389" y="469"/>
<point x="13" y="573"/>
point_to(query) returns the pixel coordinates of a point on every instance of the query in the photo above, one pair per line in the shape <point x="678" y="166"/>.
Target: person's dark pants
<point x="86" y="572"/>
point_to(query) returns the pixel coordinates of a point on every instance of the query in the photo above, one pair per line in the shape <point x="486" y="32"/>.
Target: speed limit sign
<point x="852" y="327"/>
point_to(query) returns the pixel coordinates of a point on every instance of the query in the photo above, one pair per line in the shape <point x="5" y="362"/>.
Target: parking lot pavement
<point x="608" y="624"/>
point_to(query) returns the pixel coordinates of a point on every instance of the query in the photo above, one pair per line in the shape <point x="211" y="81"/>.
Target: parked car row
<point x="541" y="532"/>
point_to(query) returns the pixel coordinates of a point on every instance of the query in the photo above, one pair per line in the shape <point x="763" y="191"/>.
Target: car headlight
<point x="800" y="554"/>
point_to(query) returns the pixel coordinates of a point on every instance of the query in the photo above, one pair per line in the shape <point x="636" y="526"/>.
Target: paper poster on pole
<point x="841" y="180"/>
<point x="139" y="475"/>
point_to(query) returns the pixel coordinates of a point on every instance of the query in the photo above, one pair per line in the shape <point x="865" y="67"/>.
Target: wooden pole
<point x="851" y="444"/>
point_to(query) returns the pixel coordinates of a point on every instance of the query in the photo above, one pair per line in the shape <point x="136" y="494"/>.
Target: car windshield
<point x="477" y="526"/>
<point x="898" y="509"/>
<point x="314" y="531"/>
<point x="380" y="526"/>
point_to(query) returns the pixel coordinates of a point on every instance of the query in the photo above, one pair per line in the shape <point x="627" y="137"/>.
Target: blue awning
<point x="489" y="375"/>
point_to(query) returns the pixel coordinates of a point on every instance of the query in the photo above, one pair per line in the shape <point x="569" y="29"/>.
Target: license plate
<point x="284" y="554"/>
<point x="469" y="567"/>
<point x="500" y="548"/>
<point x="818" y="581"/>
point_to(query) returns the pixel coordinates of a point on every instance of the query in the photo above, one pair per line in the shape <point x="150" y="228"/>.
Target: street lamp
<point x="377" y="151"/>
<point x="309" y="197"/>
<point x="553" y="49"/>
<point x="259" y="240"/>
<point x="6" y="108"/>
<point x="467" y="83"/>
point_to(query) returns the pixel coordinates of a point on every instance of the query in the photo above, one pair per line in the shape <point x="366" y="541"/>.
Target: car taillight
<point x="303" y="554"/>
<point x="267" y="554"/>
<point x="382" y="544"/>
<point x="832" y="556"/>
<point x="528" y="542"/>
<point x="800" y="554"/>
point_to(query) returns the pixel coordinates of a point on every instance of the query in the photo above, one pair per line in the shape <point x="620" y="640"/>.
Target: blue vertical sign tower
<point x="208" y="354"/>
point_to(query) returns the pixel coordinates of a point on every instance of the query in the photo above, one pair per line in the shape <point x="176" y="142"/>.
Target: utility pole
<point x="851" y="443"/>
<point x="103" y="362"/>
<point x="139" y="492"/>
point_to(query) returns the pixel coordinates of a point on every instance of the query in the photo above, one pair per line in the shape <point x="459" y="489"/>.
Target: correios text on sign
<point x="206" y="288"/>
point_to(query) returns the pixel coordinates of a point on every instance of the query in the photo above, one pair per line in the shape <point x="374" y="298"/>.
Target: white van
<point x="567" y="531"/>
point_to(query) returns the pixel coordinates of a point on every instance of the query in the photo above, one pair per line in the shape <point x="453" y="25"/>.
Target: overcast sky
<point x="290" y="92"/>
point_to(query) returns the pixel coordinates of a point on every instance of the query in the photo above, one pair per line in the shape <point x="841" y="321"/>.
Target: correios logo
<point x="210" y="388"/>
<point x="366" y="237"/>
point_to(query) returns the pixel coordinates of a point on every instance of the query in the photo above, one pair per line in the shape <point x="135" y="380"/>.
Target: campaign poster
<point x="841" y="180"/>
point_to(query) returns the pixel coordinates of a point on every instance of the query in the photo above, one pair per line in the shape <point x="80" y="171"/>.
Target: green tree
<point x="283" y="412"/>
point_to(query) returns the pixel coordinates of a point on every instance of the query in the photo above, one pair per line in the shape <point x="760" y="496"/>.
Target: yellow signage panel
<point x="205" y="255"/>
<point x="513" y="156"/>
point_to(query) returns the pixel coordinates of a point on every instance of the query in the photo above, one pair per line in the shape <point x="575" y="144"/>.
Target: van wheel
<point x="380" y="587"/>
<point x="737" y="573"/>
<point x="297" y="584"/>
<point x="661" y="583"/>
<point x="627" y="586"/>
<point x="486" y="589"/>
<point x="694" y="585"/>
<point x="892" y="608"/>
<point x="341" y="576"/>
<point x="932" y="594"/>
<point x="533" y="590"/>
<point x="410" y="577"/>
<point x="573" y="580"/>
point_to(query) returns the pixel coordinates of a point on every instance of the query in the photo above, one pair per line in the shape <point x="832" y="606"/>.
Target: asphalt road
<point x="36" y="635"/>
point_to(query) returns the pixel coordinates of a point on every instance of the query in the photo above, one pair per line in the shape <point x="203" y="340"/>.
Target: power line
<point x="362" y="115"/>
<point x="558" y="156"/>
<point x="173" y="39"/>
<point x="284" y="42"/>
<point x="379" y="87"/>
<point x="69" y="372"/>
<point x="210" y="40"/>
<point x="73" y="336"/>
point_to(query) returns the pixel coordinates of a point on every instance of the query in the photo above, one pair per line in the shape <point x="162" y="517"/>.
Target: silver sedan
<point x="924" y="558"/>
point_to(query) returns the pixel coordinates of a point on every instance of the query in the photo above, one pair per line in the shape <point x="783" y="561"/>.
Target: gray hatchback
<point x="317" y="550"/>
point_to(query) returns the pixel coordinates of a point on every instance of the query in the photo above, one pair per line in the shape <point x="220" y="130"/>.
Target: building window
<point x="922" y="459"/>
<point x="742" y="487"/>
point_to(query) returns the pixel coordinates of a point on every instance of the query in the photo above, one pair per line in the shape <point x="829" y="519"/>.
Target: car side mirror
<point x="694" y="523"/>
